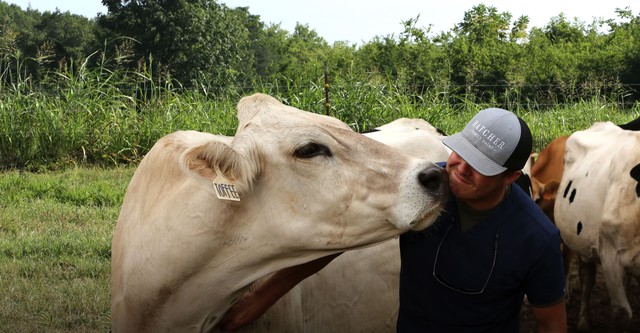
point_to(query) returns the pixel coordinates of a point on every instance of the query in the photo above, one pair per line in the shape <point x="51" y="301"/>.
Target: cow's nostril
<point x="431" y="179"/>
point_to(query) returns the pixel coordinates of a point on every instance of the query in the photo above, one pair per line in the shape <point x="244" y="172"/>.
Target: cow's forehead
<point x="411" y="123"/>
<point x="302" y="118"/>
<point x="262" y="109"/>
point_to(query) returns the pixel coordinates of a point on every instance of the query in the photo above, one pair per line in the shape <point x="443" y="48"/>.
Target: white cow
<point x="205" y="216"/>
<point x="411" y="124"/>
<point x="597" y="210"/>
<point x="413" y="136"/>
<point x="358" y="291"/>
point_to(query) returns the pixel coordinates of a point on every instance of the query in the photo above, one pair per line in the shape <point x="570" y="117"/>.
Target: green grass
<point x="55" y="240"/>
<point x="113" y="117"/>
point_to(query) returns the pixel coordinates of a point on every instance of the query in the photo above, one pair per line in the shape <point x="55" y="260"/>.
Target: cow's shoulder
<point x="408" y="124"/>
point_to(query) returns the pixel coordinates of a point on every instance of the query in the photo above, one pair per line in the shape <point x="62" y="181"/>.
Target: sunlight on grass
<point x="55" y="240"/>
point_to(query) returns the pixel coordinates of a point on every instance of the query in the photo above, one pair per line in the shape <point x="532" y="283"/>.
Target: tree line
<point x="488" y="57"/>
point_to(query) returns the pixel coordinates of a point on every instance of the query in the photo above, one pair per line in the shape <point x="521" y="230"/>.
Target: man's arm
<point x="254" y="303"/>
<point x="551" y="318"/>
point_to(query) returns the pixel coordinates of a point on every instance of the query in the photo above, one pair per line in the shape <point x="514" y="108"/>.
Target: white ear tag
<point x="225" y="189"/>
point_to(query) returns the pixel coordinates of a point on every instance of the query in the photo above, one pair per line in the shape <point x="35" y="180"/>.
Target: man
<point x="492" y="246"/>
<point x="469" y="271"/>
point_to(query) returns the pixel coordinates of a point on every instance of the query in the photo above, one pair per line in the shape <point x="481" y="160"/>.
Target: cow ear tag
<point x="225" y="189"/>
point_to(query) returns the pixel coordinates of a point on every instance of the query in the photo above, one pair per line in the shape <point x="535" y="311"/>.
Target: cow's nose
<point x="433" y="179"/>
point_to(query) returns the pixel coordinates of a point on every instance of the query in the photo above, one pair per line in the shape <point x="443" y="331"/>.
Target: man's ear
<point x="511" y="176"/>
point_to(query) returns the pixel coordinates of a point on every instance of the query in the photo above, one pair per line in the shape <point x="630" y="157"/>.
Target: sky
<point x="359" y="21"/>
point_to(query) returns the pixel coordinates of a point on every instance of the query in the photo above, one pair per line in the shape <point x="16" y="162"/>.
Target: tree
<point x="413" y="60"/>
<point x="624" y="41"/>
<point x="71" y="36"/>
<point x="43" y="41"/>
<point x="305" y="54"/>
<point x="195" y="41"/>
<point x="483" y="51"/>
<point x="270" y="50"/>
<point x="8" y="33"/>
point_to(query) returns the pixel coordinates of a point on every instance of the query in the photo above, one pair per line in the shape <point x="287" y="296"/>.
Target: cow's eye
<point x="311" y="149"/>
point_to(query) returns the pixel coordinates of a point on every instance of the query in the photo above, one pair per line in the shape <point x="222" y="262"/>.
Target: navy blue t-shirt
<point x="514" y="251"/>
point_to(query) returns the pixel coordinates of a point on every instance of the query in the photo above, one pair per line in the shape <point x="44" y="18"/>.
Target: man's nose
<point x="464" y="168"/>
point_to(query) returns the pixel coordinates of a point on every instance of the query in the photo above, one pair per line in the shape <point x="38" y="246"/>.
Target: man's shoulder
<point x="530" y="216"/>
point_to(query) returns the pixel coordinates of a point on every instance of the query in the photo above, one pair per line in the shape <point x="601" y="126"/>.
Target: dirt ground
<point x="601" y="316"/>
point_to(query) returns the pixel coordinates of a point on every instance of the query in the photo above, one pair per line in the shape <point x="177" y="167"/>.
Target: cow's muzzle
<point x="435" y="181"/>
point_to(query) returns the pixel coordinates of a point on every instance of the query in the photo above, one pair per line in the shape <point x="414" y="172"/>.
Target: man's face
<point x="468" y="185"/>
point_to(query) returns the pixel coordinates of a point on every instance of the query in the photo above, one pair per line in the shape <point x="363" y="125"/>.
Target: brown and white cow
<point x="597" y="210"/>
<point x="205" y="216"/>
<point x="548" y="165"/>
<point x="546" y="173"/>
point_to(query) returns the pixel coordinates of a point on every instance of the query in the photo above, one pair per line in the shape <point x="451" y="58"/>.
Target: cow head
<point x="302" y="164"/>
<point x="545" y="196"/>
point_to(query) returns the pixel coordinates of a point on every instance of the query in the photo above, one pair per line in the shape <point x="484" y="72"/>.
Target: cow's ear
<point x="250" y="106"/>
<point x="550" y="190"/>
<point x="205" y="161"/>
<point x="536" y="188"/>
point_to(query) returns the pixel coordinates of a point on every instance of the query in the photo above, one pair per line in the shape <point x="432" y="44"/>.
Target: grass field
<point x="55" y="239"/>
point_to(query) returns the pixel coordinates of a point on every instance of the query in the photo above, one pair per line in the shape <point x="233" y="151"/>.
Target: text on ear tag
<point x="225" y="190"/>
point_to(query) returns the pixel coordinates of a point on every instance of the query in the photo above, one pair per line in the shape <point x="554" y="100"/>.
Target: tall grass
<point x="109" y="115"/>
<point x="96" y="115"/>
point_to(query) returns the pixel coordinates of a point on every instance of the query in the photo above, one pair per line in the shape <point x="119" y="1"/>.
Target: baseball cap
<point x="495" y="140"/>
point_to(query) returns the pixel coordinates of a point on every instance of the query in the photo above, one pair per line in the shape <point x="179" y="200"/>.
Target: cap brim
<point x="461" y="146"/>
